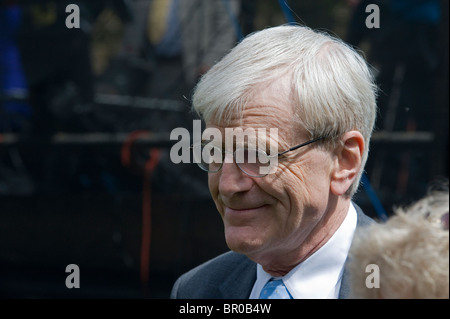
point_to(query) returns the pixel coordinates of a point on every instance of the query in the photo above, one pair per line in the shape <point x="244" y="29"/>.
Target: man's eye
<point x="212" y="154"/>
<point x="210" y="151"/>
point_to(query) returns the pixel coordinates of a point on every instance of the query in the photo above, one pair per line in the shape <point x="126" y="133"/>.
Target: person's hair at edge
<point x="411" y="250"/>
<point x="332" y="85"/>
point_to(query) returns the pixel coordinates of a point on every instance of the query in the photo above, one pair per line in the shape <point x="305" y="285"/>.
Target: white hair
<point x="332" y="87"/>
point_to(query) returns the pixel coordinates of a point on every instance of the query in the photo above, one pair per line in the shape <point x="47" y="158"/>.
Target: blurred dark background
<point x="86" y="114"/>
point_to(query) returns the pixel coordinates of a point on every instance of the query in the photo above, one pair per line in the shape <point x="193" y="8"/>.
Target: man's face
<point x="272" y="215"/>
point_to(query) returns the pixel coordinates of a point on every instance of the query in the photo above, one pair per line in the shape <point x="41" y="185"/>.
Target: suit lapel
<point x="362" y="221"/>
<point x="239" y="283"/>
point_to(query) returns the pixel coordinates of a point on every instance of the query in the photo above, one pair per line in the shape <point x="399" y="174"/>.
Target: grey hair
<point x="332" y="86"/>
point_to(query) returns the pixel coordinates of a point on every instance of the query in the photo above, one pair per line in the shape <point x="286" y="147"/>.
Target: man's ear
<point x="347" y="162"/>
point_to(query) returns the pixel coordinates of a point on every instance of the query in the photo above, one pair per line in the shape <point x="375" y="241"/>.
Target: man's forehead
<point x="268" y="105"/>
<point x="260" y="118"/>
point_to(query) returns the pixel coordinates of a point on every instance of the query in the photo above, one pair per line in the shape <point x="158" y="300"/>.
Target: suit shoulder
<point x="362" y="219"/>
<point x="218" y="265"/>
<point x="209" y="276"/>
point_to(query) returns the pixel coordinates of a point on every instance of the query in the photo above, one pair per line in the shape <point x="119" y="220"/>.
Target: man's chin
<point x="243" y="239"/>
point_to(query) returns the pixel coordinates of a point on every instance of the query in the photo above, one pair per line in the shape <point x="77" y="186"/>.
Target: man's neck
<point x="281" y="261"/>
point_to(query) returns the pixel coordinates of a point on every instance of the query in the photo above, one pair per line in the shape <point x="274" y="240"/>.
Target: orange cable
<point x="149" y="168"/>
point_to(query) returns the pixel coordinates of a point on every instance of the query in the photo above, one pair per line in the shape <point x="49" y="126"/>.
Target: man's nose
<point x="232" y="179"/>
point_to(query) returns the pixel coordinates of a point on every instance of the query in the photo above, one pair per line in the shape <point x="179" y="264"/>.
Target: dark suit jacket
<point x="232" y="275"/>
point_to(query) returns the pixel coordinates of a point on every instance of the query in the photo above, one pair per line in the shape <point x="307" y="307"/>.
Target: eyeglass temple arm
<point x="301" y="145"/>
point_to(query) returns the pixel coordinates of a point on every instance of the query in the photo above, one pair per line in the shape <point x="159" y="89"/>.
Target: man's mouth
<point x="243" y="209"/>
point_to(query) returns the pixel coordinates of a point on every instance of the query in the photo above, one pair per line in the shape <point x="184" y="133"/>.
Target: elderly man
<point x="289" y="229"/>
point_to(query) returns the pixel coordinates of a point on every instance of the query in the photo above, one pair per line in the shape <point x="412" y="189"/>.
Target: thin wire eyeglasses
<point x="251" y="161"/>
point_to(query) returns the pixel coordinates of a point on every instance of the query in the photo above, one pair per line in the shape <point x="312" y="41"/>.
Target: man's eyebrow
<point x="216" y="144"/>
<point x="266" y="141"/>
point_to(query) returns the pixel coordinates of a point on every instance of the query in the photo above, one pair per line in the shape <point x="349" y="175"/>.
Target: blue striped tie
<point x="275" y="289"/>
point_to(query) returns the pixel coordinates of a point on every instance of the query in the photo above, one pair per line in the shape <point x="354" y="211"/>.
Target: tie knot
<point x="275" y="289"/>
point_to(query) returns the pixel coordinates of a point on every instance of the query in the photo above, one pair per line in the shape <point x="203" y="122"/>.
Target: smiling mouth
<point x="229" y="210"/>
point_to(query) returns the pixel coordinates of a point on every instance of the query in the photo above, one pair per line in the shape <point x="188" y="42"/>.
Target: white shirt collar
<point x="319" y="276"/>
